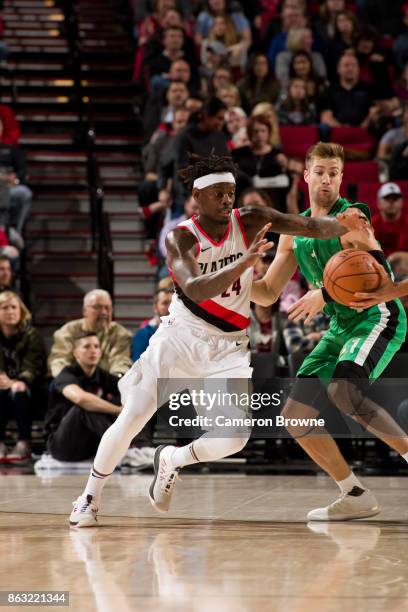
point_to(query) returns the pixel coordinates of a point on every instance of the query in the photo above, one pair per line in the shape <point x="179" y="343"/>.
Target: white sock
<point x="95" y="484"/>
<point x="207" y="449"/>
<point x="405" y="456"/>
<point x="348" y="483"/>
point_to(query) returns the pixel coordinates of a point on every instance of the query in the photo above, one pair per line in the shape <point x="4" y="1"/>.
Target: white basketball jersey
<point x="229" y="311"/>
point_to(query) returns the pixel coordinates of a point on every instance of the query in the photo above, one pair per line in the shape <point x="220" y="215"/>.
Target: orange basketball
<point x="350" y="271"/>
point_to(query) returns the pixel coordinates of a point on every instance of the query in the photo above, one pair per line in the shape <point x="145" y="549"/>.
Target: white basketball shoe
<point x="84" y="513"/>
<point x="165" y="476"/>
<point x="356" y="504"/>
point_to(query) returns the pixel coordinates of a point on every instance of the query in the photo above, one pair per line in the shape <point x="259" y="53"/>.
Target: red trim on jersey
<point x="172" y="275"/>
<point x="241" y="227"/>
<point x="195" y="238"/>
<point x="200" y="229"/>
<point x="235" y="318"/>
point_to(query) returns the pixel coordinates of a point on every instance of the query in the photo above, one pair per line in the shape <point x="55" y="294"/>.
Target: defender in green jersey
<point x="354" y="351"/>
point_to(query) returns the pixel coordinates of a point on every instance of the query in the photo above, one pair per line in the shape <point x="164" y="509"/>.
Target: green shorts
<point x="370" y="342"/>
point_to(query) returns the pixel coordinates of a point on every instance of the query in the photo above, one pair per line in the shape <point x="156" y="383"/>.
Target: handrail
<point x="99" y="219"/>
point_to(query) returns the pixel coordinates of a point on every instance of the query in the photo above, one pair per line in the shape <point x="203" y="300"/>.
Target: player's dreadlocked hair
<point x="200" y="166"/>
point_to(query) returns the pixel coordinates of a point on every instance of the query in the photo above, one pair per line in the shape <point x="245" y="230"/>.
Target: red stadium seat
<point x="367" y="193"/>
<point x="297" y="139"/>
<point x="356" y="141"/>
<point x="357" y="171"/>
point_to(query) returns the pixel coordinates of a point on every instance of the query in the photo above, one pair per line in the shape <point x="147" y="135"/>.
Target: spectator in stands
<point x="113" y="338"/>
<point x="22" y="368"/>
<point x="393" y="137"/>
<point x="254" y="197"/>
<point x="173" y="43"/>
<point x="13" y="179"/>
<point x="301" y="67"/>
<point x="83" y="403"/>
<point x="348" y="102"/>
<point x="235" y="123"/>
<point x="180" y="71"/>
<point x="298" y="39"/>
<point x="223" y="32"/>
<point x="268" y="109"/>
<point x="374" y="63"/>
<point x="399" y="162"/>
<point x="400" y="47"/>
<point x="291" y="17"/>
<point x="160" y="107"/>
<point x="259" y="163"/>
<point x="6" y="274"/>
<point x="214" y="55"/>
<point x="258" y="83"/>
<point x="11" y="127"/>
<point x="10" y="245"/>
<point x="160" y="139"/>
<point x="140" y="340"/>
<point x="152" y="21"/>
<point x="203" y="133"/>
<point x="154" y="196"/>
<point x="295" y="108"/>
<point x="391" y="222"/>
<point x="194" y="103"/>
<point x="221" y="77"/>
<point x="345" y="26"/>
<point x="325" y="26"/>
<point x="229" y="94"/>
<point x="218" y="8"/>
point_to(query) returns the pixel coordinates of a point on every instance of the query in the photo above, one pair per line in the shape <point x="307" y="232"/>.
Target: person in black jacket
<point x="22" y="367"/>
<point x="83" y="402"/>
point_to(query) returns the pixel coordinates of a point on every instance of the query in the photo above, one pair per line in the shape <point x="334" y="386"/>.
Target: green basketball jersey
<point x="312" y="254"/>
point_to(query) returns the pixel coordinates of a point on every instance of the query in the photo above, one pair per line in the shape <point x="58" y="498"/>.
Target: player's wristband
<point x="326" y="296"/>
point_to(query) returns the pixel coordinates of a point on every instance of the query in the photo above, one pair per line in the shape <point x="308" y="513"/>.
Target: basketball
<point x="348" y="272"/>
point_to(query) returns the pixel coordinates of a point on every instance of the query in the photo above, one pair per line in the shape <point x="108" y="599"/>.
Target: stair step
<point x="54" y="117"/>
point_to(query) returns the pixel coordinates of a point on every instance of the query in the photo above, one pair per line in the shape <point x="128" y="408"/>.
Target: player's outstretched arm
<point x="181" y="261"/>
<point x="296" y="225"/>
<point x="267" y="290"/>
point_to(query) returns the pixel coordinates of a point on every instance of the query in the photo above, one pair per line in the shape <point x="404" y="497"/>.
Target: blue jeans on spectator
<point x="16" y="406"/>
<point x="20" y="203"/>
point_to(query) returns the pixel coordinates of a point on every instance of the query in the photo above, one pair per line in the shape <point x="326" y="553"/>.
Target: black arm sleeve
<point x="380" y="257"/>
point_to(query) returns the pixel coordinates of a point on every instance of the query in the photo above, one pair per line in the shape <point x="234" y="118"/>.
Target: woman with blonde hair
<point x="298" y="39"/>
<point x="268" y="109"/>
<point x="22" y="365"/>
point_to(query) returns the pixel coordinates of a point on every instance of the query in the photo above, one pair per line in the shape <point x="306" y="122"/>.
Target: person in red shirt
<point x="390" y="223"/>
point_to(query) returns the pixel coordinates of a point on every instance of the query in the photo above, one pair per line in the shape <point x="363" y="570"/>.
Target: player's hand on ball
<point x="385" y="292"/>
<point x="354" y="220"/>
<point x="259" y="245"/>
<point x="307" y="307"/>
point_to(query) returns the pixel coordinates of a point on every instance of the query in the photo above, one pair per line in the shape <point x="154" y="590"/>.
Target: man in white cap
<point x="390" y="223"/>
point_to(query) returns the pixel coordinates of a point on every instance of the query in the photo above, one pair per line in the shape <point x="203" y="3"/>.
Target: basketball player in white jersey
<point x="210" y="257"/>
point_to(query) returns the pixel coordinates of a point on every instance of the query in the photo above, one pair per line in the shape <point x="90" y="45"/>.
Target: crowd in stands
<point x="246" y="81"/>
<point x="259" y="81"/>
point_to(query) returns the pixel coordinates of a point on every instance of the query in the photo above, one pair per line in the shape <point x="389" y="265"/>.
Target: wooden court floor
<point x="231" y="543"/>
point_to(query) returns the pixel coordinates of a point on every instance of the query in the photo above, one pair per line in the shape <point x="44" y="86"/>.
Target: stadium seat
<point x="356" y="141"/>
<point x="356" y="171"/>
<point x="367" y="193"/>
<point x="297" y="139"/>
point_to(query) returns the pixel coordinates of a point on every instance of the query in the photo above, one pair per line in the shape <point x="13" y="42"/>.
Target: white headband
<point x="213" y="179"/>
